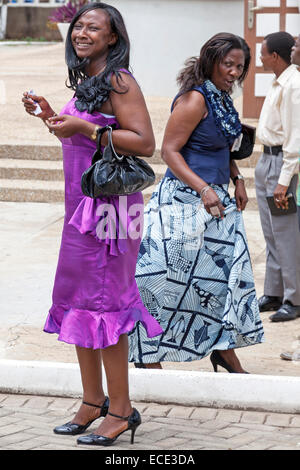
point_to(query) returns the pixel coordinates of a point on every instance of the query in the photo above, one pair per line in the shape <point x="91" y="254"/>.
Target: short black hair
<point x="281" y="43"/>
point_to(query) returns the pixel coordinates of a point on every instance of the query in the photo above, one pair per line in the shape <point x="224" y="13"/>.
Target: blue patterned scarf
<point x="225" y="115"/>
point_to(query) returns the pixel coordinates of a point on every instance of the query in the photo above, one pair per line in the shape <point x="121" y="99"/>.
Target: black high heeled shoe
<point x="134" y="420"/>
<point x="71" y="429"/>
<point x="217" y="360"/>
<point x="140" y="365"/>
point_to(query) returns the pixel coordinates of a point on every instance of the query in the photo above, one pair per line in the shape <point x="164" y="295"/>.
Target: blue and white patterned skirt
<point x="195" y="277"/>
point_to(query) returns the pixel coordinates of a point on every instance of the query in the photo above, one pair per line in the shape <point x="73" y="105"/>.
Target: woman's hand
<point x="30" y="106"/>
<point x="240" y="195"/>
<point x="65" y="126"/>
<point x="212" y="203"/>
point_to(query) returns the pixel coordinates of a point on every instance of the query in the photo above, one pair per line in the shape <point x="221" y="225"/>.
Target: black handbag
<point x="114" y="175"/>
<point x="247" y="144"/>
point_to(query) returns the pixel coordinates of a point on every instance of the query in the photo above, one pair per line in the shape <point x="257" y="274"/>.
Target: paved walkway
<point x="26" y="423"/>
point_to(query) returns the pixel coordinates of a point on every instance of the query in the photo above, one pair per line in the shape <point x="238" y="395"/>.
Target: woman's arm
<point x="135" y="137"/>
<point x="240" y="190"/>
<point x="188" y="111"/>
<point x="136" y="134"/>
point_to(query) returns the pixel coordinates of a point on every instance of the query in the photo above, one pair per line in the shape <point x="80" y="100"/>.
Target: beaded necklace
<point x="225" y="115"/>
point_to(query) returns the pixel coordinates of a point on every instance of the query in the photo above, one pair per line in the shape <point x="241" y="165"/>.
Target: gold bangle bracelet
<point x="94" y="134"/>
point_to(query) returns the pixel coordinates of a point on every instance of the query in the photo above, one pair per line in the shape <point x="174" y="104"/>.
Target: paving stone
<point x="244" y="439"/>
<point x="230" y="416"/>
<point x="179" y="422"/>
<point x="6" y="412"/>
<point x="181" y="412"/>
<point x="157" y="410"/>
<point x="62" y="403"/>
<point x="13" y="401"/>
<point x="228" y="432"/>
<point x="204" y="414"/>
<point x="170" y="443"/>
<point x="295" y="421"/>
<point x="141" y="407"/>
<point x="15" y="439"/>
<point x="279" y="419"/>
<point x="3" y="397"/>
<point x="150" y="426"/>
<point x="284" y="448"/>
<point x="253" y="417"/>
<point x="256" y="427"/>
<point x="12" y="429"/>
<point x="38" y="402"/>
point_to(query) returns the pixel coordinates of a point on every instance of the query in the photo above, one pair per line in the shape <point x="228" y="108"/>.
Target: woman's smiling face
<point x="92" y="35"/>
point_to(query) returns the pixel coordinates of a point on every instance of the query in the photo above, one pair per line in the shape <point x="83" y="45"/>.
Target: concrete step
<point x="31" y="190"/>
<point x="54" y="153"/>
<point x="47" y="152"/>
<point x="48" y="170"/>
<point x="16" y="190"/>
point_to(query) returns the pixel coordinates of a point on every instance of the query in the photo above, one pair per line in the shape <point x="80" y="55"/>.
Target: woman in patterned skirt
<point x="194" y="271"/>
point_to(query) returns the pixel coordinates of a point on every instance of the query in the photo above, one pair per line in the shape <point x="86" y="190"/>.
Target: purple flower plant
<point x="65" y="13"/>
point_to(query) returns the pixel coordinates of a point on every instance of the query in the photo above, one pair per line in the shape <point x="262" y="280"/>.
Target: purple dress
<point x="95" y="296"/>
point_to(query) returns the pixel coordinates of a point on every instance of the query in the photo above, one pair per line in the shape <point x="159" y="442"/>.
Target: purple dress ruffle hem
<point x="95" y="295"/>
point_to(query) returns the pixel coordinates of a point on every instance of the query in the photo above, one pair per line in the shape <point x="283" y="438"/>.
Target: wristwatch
<point x="237" y="177"/>
<point x="95" y="132"/>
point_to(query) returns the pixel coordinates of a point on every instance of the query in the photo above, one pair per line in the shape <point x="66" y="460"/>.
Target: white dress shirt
<point x="279" y="122"/>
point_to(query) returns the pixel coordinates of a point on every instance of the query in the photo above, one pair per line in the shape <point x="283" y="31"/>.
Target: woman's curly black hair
<point x="92" y="92"/>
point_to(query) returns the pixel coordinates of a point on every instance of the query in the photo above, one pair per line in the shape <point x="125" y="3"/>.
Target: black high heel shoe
<point x="134" y="420"/>
<point x="217" y="360"/>
<point x="71" y="429"/>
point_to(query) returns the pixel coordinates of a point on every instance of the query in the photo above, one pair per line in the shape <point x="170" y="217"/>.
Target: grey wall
<point x="164" y="33"/>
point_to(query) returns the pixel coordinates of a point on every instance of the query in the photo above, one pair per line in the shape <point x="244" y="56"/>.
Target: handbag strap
<point x="100" y="133"/>
<point x="110" y="143"/>
<point x="98" y="153"/>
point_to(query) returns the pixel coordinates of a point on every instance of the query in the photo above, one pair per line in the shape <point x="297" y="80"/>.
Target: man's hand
<point x="281" y="201"/>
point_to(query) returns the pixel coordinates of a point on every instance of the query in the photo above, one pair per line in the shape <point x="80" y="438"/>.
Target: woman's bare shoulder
<point x="123" y="81"/>
<point x="192" y="98"/>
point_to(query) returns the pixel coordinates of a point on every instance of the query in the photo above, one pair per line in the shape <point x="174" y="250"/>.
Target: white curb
<point x="188" y="388"/>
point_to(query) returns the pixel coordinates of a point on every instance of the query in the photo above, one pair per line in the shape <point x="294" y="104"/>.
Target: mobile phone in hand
<point x="38" y="109"/>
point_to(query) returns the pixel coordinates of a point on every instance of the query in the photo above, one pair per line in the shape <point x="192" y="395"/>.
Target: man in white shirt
<point x="276" y="175"/>
<point x="295" y="56"/>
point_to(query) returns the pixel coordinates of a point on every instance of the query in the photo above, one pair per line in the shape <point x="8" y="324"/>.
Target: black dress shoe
<point x="286" y="312"/>
<point x="71" y="429"/>
<point x="134" y="420"/>
<point x="268" y="303"/>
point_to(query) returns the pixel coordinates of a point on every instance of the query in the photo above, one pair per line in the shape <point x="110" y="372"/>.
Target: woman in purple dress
<point x="96" y="301"/>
